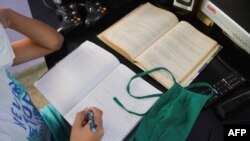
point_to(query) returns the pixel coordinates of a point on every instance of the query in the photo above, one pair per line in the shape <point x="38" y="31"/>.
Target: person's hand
<point x="81" y="129"/>
<point x="5" y="17"/>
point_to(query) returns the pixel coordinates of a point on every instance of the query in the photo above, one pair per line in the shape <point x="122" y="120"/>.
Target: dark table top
<point x="208" y="125"/>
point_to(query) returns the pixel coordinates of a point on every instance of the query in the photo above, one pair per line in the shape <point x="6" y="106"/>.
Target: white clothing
<point x="19" y="118"/>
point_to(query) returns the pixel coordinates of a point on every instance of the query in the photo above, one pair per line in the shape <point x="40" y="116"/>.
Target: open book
<point x="91" y="77"/>
<point x="152" y="37"/>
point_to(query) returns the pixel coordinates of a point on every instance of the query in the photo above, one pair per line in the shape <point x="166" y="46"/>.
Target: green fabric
<point x="59" y="128"/>
<point x="171" y="118"/>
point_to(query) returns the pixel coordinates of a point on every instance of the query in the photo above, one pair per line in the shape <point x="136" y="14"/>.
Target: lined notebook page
<point x="116" y="121"/>
<point x="76" y="75"/>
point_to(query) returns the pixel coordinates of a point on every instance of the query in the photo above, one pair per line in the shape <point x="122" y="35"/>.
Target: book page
<point x="70" y="80"/>
<point x="138" y="30"/>
<point x="199" y="68"/>
<point x="116" y="121"/>
<point x="180" y="50"/>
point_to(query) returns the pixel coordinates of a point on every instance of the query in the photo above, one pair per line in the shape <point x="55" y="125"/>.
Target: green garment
<point x="172" y="117"/>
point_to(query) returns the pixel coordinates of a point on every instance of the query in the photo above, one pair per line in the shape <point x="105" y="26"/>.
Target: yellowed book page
<point x="197" y="70"/>
<point x="138" y="30"/>
<point x="180" y="50"/>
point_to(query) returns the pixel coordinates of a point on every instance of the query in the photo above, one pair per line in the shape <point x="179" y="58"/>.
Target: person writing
<point x="20" y="120"/>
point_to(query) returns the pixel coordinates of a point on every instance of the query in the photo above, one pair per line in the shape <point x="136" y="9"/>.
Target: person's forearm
<point x="38" y="32"/>
<point x="41" y="38"/>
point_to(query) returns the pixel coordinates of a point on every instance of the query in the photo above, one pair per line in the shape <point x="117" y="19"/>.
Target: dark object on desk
<point x="224" y="86"/>
<point x="187" y="5"/>
<point x="233" y="105"/>
<point x="95" y="11"/>
<point x="85" y="14"/>
<point x="73" y="16"/>
<point x="166" y="4"/>
<point x="184" y="9"/>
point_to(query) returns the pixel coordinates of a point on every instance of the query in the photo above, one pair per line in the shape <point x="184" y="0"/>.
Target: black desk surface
<point x="208" y="126"/>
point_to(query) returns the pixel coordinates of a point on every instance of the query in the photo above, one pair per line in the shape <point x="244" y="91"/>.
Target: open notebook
<point x="91" y="76"/>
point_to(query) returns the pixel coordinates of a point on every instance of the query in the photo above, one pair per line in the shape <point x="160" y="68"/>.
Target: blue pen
<point x="91" y="121"/>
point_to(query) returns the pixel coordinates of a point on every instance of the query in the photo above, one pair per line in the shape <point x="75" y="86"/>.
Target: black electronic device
<point x="187" y="5"/>
<point x="230" y="106"/>
<point x="95" y="12"/>
<point x="84" y="14"/>
<point x="224" y="86"/>
<point x="73" y="15"/>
